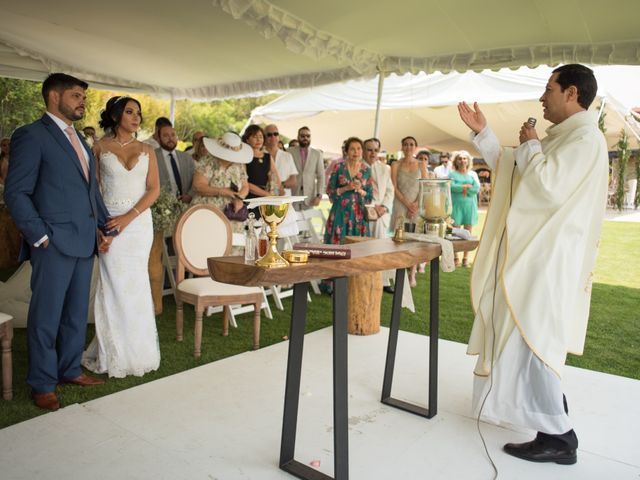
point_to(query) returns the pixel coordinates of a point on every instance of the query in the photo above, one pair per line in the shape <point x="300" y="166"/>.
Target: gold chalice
<point x="273" y="215"/>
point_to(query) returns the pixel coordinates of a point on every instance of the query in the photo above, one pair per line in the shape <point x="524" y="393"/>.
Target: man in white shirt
<point x="175" y="168"/>
<point x="531" y="283"/>
<point x="310" y="166"/>
<point x="442" y="170"/>
<point x="382" y="197"/>
<point x="284" y="161"/>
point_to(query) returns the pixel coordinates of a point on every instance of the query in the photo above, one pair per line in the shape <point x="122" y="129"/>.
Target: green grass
<point x="612" y="345"/>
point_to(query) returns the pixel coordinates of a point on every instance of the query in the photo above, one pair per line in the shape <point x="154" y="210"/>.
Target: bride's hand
<point x="120" y="222"/>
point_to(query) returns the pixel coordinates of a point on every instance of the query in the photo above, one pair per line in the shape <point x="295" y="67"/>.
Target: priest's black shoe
<point x="536" y="451"/>
<point x="388" y="289"/>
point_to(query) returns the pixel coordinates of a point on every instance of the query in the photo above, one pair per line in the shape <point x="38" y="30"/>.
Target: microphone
<point x="531" y="121"/>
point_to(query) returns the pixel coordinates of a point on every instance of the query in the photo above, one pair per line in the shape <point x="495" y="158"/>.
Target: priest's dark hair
<point x="111" y="116"/>
<point x="60" y="82"/>
<point x="580" y="77"/>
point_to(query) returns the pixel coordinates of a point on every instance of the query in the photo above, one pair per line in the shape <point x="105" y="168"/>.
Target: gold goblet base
<point x="272" y="259"/>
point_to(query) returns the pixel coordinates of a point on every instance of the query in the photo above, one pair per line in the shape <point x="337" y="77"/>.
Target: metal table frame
<point x="340" y="372"/>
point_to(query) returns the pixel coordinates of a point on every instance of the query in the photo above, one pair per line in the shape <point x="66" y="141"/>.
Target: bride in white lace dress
<point x="126" y="341"/>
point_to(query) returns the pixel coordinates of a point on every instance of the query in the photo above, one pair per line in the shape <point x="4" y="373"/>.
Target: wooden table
<point x="372" y="256"/>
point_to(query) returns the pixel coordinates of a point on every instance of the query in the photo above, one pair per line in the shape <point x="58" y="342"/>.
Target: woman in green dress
<point x="464" y="195"/>
<point x="350" y="189"/>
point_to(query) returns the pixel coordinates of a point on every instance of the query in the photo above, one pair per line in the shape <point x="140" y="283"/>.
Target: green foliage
<point x="601" y="118"/>
<point x="20" y="103"/>
<point x="215" y="118"/>
<point x="623" y="159"/>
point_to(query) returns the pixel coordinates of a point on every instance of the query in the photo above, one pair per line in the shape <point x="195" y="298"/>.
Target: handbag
<point x="239" y="216"/>
<point x="370" y="213"/>
<point x="230" y="212"/>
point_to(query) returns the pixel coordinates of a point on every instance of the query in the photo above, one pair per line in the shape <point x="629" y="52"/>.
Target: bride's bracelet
<point x="135" y="210"/>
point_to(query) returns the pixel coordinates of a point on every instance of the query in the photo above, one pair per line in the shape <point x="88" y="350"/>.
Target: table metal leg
<point x="433" y="346"/>
<point x="340" y="381"/>
<point x="340" y="385"/>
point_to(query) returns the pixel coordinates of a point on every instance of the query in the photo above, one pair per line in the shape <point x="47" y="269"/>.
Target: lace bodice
<point x="121" y="187"/>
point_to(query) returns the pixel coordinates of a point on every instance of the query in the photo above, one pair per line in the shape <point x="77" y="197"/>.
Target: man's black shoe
<point x="537" y="451"/>
<point x="388" y="289"/>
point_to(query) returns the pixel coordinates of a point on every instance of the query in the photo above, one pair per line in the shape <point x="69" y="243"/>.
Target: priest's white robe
<point x="531" y="281"/>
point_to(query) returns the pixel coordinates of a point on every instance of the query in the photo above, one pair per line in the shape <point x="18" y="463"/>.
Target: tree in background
<point x="20" y="103"/>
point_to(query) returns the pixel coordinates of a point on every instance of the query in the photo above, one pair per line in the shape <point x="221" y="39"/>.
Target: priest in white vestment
<point x="531" y="282"/>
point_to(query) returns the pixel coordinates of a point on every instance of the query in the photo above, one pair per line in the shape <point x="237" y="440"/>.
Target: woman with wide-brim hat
<point x="220" y="178"/>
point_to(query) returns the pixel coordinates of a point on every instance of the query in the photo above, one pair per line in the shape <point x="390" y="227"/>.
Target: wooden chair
<point x="202" y="232"/>
<point x="6" y="338"/>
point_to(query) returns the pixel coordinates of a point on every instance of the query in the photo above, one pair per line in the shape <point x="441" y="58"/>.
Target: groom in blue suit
<point x="53" y="197"/>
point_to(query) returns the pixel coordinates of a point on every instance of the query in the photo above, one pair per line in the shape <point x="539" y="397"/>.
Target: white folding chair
<point x="316" y="221"/>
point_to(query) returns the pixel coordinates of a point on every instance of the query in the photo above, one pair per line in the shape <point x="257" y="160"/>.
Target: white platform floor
<point x="222" y="421"/>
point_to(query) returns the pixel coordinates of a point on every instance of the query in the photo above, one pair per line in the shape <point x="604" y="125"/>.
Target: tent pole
<point x="172" y="109"/>
<point x="376" y="126"/>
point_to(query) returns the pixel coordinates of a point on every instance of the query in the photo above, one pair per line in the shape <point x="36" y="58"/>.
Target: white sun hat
<point x="229" y="147"/>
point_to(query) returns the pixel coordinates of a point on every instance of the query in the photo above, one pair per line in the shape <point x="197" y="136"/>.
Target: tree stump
<point x="364" y="295"/>
<point x="156" y="271"/>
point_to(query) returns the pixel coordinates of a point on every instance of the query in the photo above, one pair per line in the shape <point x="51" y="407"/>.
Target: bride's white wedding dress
<point x="126" y="341"/>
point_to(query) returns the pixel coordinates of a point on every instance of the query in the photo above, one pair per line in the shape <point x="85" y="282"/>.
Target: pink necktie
<point x="75" y="143"/>
<point x="303" y="157"/>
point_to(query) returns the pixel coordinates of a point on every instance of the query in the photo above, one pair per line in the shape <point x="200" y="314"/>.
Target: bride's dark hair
<point x="112" y="114"/>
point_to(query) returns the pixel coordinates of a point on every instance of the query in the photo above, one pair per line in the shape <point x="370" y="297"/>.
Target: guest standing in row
<point x="464" y="196"/>
<point x="404" y="176"/>
<point x="284" y="161"/>
<point x="221" y="179"/>
<point x="350" y="189"/>
<point x="261" y="171"/>
<point x="382" y="201"/>
<point x="310" y="168"/>
<point x="175" y="168"/>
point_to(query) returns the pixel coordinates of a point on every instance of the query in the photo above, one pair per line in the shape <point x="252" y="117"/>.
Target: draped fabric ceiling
<point x="425" y="106"/>
<point x="205" y="49"/>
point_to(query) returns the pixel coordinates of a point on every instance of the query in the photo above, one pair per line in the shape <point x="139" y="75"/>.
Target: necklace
<point x="122" y="145"/>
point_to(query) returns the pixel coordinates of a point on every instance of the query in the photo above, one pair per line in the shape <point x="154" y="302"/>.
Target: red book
<point x="324" y="251"/>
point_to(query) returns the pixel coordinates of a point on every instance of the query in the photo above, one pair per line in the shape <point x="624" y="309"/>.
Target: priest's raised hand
<point x="472" y="117"/>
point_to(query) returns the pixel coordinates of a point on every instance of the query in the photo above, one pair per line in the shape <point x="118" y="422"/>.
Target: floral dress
<point x="220" y="177"/>
<point x="347" y="212"/>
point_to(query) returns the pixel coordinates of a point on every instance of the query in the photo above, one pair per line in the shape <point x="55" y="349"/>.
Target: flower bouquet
<point x="165" y="211"/>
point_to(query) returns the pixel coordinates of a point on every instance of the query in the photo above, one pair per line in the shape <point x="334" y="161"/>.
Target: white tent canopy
<point x="425" y="106"/>
<point x="217" y="48"/>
